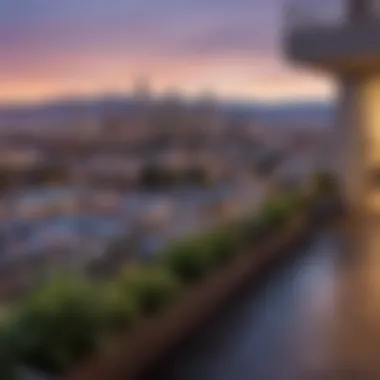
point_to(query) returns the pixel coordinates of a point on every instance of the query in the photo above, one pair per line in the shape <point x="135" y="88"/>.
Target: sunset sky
<point x="51" y="49"/>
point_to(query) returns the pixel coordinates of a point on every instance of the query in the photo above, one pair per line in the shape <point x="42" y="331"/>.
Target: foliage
<point x="151" y="288"/>
<point x="275" y="212"/>
<point x="58" y="325"/>
<point x="188" y="259"/>
<point x="119" y="308"/>
<point x="221" y="243"/>
<point x="7" y="364"/>
<point x="192" y="258"/>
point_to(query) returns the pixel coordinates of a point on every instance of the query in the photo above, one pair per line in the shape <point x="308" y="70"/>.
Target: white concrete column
<point x="350" y="144"/>
<point x="371" y="114"/>
<point x="358" y="143"/>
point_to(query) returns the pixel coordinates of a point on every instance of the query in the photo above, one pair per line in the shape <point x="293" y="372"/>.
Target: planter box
<point x="133" y="352"/>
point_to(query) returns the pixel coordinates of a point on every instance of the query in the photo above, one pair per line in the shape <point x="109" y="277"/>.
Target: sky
<point x="51" y="49"/>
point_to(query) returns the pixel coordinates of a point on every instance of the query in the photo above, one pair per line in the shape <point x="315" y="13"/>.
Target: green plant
<point x="151" y="288"/>
<point x="58" y="325"/>
<point x="188" y="259"/>
<point x="7" y="356"/>
<point x="275" y="212"/>
<point x="221" y="243"/>
<point x="120" y="310"/>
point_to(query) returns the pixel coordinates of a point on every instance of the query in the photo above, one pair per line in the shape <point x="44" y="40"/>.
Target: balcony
<point x="301" y="15"/>
<point x="327" y="34"/>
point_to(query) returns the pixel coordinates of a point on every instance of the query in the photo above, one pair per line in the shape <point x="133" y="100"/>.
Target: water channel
<point x="317" y="316"/>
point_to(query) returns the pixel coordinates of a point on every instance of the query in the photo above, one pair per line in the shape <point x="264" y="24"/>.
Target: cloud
<point x="69" y="44"/>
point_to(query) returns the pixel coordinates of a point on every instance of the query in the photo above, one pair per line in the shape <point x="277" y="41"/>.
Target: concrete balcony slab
<point x="344" y="48"/>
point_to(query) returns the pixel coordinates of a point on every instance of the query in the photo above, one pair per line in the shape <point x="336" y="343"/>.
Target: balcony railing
<point x="312" y="14"/>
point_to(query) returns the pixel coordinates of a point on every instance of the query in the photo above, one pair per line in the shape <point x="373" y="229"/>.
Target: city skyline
<point x="53" y="50"/>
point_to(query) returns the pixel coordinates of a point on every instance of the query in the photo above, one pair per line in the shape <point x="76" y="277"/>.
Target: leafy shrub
<point x="7" y="356"/>
<point x="151" y="288"/>
<point x="188" y="259"/>
<point x="119" y="308"/>
<point x="58" y="325"/>
<point x="192" y="258"/>
<point x="220" y="244"/>
<point x="275" y="212"/>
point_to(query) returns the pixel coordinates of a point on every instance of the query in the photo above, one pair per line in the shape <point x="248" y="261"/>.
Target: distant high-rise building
<point x="142" y="92"/>
<point x="142" y="103"/>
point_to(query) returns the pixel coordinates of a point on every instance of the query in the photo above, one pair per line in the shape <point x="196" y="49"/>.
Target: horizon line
<point x="46" y="101"/>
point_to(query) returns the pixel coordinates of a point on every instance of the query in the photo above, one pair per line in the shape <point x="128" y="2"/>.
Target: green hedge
<point x="120" y="308"/>
<point x="150" y="288"/>
<point x="7" y="357"/>
<point x="188" y="259"/>
<point x="68" y="318"/>
<point x="57" y="326"/>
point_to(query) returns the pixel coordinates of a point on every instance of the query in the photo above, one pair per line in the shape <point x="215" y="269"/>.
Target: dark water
<point x="315" y="317"/>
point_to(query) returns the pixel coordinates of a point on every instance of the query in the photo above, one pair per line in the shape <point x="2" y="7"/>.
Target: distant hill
<point x="307" y="113"/>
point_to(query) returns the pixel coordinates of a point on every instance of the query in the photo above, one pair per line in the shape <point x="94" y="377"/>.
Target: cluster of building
<point x="142" y="172"/>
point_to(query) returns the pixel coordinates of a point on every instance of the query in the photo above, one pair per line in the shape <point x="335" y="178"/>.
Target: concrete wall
<point x="349" y="142"/>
